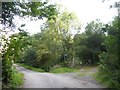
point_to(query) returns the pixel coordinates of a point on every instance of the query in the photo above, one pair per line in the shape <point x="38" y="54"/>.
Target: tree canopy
<point x="31" y="9"/>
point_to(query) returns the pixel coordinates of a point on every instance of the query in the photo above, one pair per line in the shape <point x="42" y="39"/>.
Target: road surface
<point x="49" y="80"/>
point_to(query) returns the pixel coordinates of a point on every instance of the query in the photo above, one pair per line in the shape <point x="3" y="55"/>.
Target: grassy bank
<point x="16" y="79"/>
<point x="63" y="70"/>
<point x="32" y="68"/>
<point x="106" y="81"/>
<point x="53" y="70"/>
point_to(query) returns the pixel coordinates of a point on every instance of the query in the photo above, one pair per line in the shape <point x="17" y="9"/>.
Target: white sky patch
<point x="34" y="26"/>
<point x="30" y="26"/>
<point x="86" y="11"/>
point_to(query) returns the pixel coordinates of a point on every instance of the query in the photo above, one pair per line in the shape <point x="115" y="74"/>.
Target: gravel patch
<point x="86" y="75"/>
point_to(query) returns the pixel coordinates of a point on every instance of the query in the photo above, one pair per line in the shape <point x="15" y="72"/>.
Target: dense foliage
<point x="13" y="45"/>
<point x="88" y="45"/>
<point x="10" y="53"/>
<point x="30" y="9"/>
<point x="49" y="47"/>
<point x="109" y="65"/>
<point x="55" y="46"/>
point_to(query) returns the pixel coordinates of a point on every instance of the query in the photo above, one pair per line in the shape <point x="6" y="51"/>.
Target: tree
<point x="10" y="54"/>
<point x="109" y="66"/>
<point x="88" y="44"/>
<point x="14" y="43"/>
<point x="109" y="72"/>
<point x="34" y="9"/>
<point x="54" y="42"/>
<point x="62" y="26"/>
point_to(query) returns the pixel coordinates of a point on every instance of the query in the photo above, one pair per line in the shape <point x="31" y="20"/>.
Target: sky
<point x="85" y="10"/>
<point x="88" y="10"/>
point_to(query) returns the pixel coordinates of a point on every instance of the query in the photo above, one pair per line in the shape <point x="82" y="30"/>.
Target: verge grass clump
<point x="106" y="81"/>
<point x="63" y="70"/>
<point x="16" y="79"/>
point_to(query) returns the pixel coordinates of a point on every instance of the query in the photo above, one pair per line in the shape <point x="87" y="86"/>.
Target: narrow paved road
<point x="49" y="80"/>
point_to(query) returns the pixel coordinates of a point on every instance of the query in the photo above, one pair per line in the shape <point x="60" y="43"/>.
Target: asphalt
<point x="34" y="79"/>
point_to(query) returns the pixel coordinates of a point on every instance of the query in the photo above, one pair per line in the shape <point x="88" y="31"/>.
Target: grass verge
<point x="16" y="79"/>
<point x="32" y="68"/>
<point x="63" y="70"/>
<point x="101" y="79"/>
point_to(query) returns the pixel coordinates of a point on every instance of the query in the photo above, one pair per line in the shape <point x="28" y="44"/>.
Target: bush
<point x="29" y="57"/>
<point x="45" y="62"/>
<point x="107" y="81"/>
<point x="108" y="72"/>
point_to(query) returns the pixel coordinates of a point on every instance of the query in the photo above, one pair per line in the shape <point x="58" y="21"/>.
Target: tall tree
<point x="109" y="67"/>
<point x="63" y="25"/>
<point x="89" y="43"/>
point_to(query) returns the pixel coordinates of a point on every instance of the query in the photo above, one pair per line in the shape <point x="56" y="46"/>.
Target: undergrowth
<point x="32" y="68"/>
